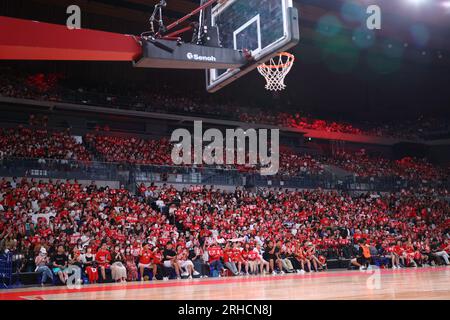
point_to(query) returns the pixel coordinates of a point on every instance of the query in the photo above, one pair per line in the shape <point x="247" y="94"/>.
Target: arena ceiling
<point x="425" y="28"/>
<point x="398" y="16"/>
<point x="418" y="33"/>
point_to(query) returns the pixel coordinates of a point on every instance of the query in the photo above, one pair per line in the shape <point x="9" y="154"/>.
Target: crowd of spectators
<point x="22" y="142"/>
<point x="37" y="87"/>
<point x="111" y="235"/>
<point x="295" y="164"/>
<point x="158" y="152"/>
<point x="407" y="129"/>
<point x="300" y="122"/>
<point x="292" y="163"/>
<point x="38" y="142"/>
<point x="407" y="168"/>
<point x="131" y="150"/>
<point x="422" y="128"/>
<point x="49" y="87"/>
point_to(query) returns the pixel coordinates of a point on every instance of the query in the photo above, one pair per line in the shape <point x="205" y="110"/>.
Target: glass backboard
<point x="263" y="27"/>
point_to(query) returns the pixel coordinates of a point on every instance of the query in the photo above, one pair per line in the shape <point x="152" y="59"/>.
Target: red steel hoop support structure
<point x="32" y="40"/>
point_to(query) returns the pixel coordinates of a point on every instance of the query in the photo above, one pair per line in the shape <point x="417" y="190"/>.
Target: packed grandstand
<point x="136" y="216"/>
<point x="37" y="142"/>
<point x="156" y="225"/>
<point x="328" y="123"/>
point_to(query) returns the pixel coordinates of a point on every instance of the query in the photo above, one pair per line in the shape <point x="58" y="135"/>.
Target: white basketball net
<point x="276" y="70"/>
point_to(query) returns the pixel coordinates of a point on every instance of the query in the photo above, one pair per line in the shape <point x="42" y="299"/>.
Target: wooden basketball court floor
<point x="422" y="283"/>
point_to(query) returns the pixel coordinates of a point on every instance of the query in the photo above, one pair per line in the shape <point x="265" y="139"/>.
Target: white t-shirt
<point x="34" y="205"/>
<point x="84" y="240"/>
<point x="160" y="203"/>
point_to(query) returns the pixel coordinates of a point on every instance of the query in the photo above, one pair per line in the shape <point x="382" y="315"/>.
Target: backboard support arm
<point x="186" y="17"/>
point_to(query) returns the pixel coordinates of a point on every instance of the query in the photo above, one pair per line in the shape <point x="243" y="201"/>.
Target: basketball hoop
<point x="276" y="69"/>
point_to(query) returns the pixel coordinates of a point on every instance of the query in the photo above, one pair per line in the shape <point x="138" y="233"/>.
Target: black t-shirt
<point x="170" y="253"/>
<point x="360" y="252"/>
<point x="268" y="250"/>
<point x="277" y="250"/>
<point x="191" y="254"/>
<point x="434" y="247"/>
<point x="60" y="259"/>
<point x="117" y="257"/>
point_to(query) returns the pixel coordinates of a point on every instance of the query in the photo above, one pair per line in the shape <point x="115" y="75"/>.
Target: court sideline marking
<point x="39" y="293"/>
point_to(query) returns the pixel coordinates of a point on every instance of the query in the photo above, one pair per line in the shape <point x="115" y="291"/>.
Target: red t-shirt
<point x="398" y="250"/>
<point x="157" y="257"/>
<point x="227" y="255"/>
<point x="103" y="256"/>
<point x="237" y="255"/>
<point x="215" y="252"/>
<point x="244" y="254"/>
<point x="146" y="257"/>
<point x="252" y="255"/>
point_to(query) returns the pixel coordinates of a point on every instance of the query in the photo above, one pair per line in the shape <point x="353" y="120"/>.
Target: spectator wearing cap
<point x="42" y="261"/>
